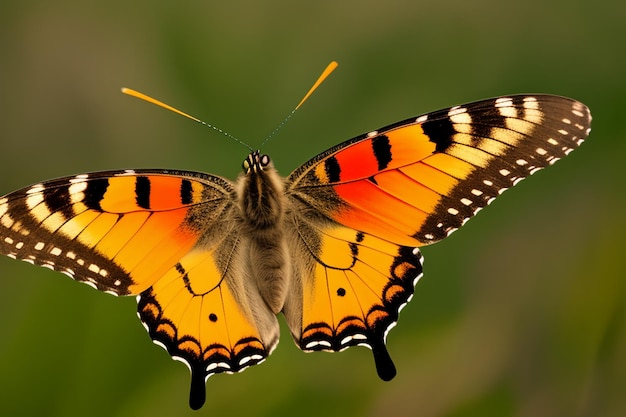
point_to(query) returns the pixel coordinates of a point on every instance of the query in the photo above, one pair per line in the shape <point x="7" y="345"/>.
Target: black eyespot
<point x="213" y="317"/>
<point x="341" y="292"/>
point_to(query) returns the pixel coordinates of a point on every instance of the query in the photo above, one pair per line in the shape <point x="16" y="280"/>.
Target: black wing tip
<point x="384" y="364"/>
<point x="197" y="394"/>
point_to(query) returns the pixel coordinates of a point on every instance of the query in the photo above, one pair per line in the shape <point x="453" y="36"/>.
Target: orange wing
<point x="349" y="290"/>
<point x="163" y="235"/>
<point x="367" y="203"/>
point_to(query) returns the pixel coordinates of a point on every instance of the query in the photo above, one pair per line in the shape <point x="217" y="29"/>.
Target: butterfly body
<point x="262" y="206"/>
<point x="333" y="246"/>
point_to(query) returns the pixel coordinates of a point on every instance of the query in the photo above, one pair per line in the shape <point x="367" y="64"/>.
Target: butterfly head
<point x="256" y="162"/>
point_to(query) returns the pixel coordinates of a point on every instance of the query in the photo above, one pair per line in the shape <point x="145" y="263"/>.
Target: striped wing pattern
<point x="356" y="216"/>
<point x="416" y="181"/>
<point x="380" y="196"/>
<point x="144" y="233"/>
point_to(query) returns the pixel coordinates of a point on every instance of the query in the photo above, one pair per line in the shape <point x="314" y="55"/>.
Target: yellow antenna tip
<point x="330" y="68"/>
<point x="142" y="96"/>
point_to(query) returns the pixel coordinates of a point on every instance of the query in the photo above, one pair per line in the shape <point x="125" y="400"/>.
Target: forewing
<point x="416" y="181"/>
<point x="117" y="231"/>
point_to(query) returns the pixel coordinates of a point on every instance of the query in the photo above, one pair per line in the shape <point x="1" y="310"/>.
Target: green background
<point x="521" y="313"/>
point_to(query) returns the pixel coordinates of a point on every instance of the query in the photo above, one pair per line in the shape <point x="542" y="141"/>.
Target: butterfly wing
<point x="368" y="203"/>
<point x="168" y="237"/>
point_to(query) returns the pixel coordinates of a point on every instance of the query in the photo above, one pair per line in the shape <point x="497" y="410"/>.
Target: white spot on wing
<point x="176" y="358"/>
<point x="460" y="116"/>
<point x="67" y="272"/>
<point x="531" y="103"/>
<point x="504" y="101"/>
<point x="35" y="189"/>
<point x="509" y="112"/>
<point x="77" y="187"/>
<point x="7" y="221"/>
<point x="315" y="343"/>
<point x="91" y="284"/>
<point x="79" y="178"/>
<point x="248" y="359"/>
<point x="33" y="200"/>
<point x="505" y="107"/>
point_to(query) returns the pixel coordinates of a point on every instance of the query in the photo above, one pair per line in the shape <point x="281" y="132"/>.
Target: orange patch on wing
<point x="150" y="244"/>
<point x="408" y="144"/>
<point x="230" y="325"/>
<point x="201" y="305"/>
<point x="368" y="223"/>
<point x="357" y="161"/>
<point x="97" y="229"/>
<point x="121" y="233"/>
<point x="409" y="190"/>
<point x="348" y="282"/>
<point x="165" y="194"/>
<point x="203" y="272"/>
<point x="116" y="198"/>
<point x="384" y="208"/>
<point x="431" y="177"/>
<point x="450" y="165"/>
<point x="77" y="224"/>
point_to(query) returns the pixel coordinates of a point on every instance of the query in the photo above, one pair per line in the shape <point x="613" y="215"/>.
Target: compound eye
<point x="246" y="165"/>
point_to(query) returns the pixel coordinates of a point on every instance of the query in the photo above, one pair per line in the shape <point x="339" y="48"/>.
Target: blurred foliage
<point x="522" y="313"/>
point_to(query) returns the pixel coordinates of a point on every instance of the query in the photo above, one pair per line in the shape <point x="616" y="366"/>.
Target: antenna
<point x="327" y="71"/>
<point x="141" y="96"/>
<point x="330" y="68"/>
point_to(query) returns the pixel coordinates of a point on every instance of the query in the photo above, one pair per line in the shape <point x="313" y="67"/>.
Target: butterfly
<point x="333" y="246"/>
